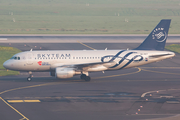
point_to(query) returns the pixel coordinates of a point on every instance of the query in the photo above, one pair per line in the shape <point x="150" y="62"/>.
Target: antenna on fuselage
<point x="31" y="49"/>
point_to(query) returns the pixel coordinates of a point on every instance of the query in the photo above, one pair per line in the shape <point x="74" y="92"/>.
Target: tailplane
<point x="157" y="38"/>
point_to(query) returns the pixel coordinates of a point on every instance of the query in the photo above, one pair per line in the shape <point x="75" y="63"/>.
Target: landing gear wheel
<point x="87" y="78"/>
<point x="83" y="76"/>
<point x="29" y="79"/>
<point x="30" y="76"/>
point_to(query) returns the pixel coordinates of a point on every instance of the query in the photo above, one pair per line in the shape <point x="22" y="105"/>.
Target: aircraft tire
<point x="83" y="76"/>
<point x="87" y="78"/>
<point x="29" y="79"/>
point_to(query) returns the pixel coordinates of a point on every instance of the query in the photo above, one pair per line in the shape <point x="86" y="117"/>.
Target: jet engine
<point x="64" y="72"/>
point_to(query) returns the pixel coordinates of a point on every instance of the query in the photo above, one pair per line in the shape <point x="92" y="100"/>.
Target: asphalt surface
<point x="146" y="92"/>
<point x="80" y="38"/>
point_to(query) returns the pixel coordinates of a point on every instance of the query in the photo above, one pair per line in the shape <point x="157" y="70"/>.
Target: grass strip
<point x="8" y="72"/>
<point x="87" y="16"/>
<point x="6" y="53"/>
<point x="174" y="48"/>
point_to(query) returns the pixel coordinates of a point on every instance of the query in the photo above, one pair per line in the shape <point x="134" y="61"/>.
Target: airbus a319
<point x="67" y="63"/>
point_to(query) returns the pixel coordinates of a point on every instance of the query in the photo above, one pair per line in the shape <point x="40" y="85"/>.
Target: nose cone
<point x="6" y="64"/>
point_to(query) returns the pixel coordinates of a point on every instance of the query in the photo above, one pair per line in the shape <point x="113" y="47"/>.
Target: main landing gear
<point x="85" y="77"/>
<point x="30" y="76"/>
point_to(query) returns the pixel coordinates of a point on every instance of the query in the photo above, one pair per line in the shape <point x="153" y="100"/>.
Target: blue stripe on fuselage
<point x="122" y="59"/>
<point x="131" y="61"/>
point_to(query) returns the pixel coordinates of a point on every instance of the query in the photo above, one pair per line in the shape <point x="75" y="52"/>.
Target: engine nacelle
<point x="64" y="72"/>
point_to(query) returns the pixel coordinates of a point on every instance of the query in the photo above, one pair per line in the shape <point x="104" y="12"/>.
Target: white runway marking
<point x="3" y="39"/>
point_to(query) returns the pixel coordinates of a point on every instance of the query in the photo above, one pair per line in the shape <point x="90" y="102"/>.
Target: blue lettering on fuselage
<point x="52" y="55"/>
<point x="45" y="64"/>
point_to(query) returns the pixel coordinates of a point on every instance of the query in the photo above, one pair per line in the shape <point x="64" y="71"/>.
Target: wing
<point x="90" y="67"/>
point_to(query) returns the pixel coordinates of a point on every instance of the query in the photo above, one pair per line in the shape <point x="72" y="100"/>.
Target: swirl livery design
<point x="133" y="58"/>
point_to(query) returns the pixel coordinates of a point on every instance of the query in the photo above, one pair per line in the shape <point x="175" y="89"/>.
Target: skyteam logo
<point x="159" y="35"/>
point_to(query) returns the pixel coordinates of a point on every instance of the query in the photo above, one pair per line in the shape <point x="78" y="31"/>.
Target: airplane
<point x="67" y="63"/>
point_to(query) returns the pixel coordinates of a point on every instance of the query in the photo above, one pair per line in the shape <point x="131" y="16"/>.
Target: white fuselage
<point x="112" y="59"/>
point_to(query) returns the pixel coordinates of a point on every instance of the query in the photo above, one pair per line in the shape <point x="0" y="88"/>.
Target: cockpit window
<point x="12" y="58"/>
<point x="15" y="58"/>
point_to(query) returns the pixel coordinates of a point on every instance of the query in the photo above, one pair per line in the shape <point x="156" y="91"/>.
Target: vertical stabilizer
<point x="157" y="38"/>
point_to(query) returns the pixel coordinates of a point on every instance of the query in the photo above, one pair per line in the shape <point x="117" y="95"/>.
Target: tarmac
<point x="149" y="92"/>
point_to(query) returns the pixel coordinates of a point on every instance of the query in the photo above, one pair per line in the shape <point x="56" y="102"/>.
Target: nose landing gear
<point x="29" y="79"/>
<point x="30" y="76"/>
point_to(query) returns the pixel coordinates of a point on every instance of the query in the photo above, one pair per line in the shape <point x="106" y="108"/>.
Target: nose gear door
<point x="29" y="59"/>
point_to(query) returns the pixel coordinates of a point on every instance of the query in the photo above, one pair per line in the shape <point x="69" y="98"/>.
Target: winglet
<point x="157" y="38"/>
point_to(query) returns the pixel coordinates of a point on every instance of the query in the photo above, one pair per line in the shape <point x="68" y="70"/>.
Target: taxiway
<point x="145" y="92"/>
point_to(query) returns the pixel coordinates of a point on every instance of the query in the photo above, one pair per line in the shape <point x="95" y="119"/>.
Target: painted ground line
<point x="157" y="91"/>
<point x="86" y="45"/>
<point x="3" y="39"/>
<point x="160" y="72"/>
<point x="22" y="101"/>
<point x="139" y="70"/>
<point x="14" y="109"/>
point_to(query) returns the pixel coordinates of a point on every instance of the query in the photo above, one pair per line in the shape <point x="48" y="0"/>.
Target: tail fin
<point x="157" y="38"/>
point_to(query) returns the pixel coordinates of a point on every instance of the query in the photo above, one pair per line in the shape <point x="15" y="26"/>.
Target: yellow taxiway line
<point x="21" y="101"/>
<point x="24" y="118"/>
<point x="139" y="70"/>
<point x="160" y="72"/>
<point x="26" y="87"/>
<point x="86" y="45"/>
